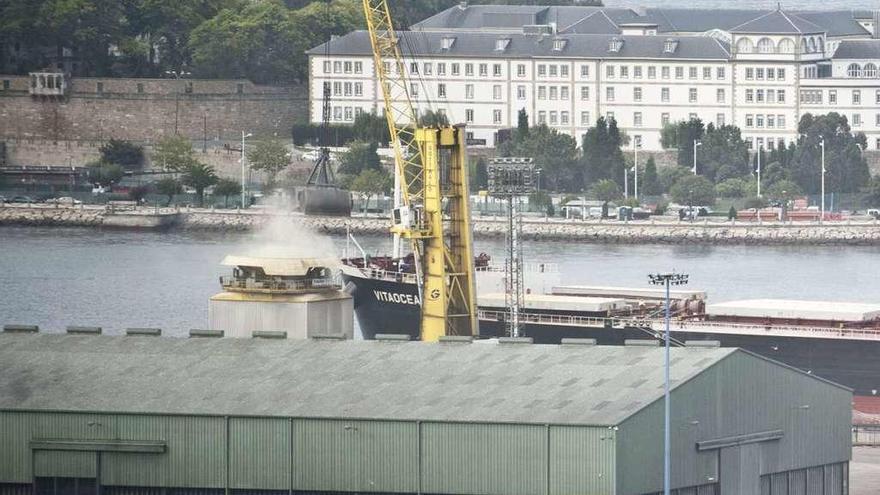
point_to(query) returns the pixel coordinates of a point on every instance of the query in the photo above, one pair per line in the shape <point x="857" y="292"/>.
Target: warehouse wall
<point x="741" y="394"/>
<point x="317" y="455"/>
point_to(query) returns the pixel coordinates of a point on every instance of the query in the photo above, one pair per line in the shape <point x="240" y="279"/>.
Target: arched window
<point x="812" y="45"/>
<point x="786" y="45"/>
<point x="854" y="70"/>
<point x="820" y="45"/>
<point x="765" y="45"/>
<point x="870" y="70"/>
<point x="803" y="45"/>
<point x="745" y="45"/>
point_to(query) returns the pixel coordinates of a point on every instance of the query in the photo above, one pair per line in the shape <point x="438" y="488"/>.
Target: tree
<point x="226" y="188"/>
<point x="555" y="153"/>
<point x="722" y="154"/>
<point x="173" y="153"/>
<point x="480" y="180"/>
<point x="359" y="157"/>
<point x="602" y="157"/>
<point x="199" y="176"/>
<point x="522" y="124"/>
<point x="104" y="174"/>
<point x="846" y="167"/>
<point x="693" y="190"/>
<point x="270" y="156"/>
<point x="732" y="188"/>
<point x="668" y="176"/>
<point x="169" y="187"/>
<point x="433" y="118"/>
<point x="371" y="182"/>
<point x="784" y="190"/>
<point x="682" y="136"/>
<point x="370" y="128"/>
<point x="605" y="190"/>
<point x="650" y="182"/>
<point x="125" y="153"/>
<point x="872" y="192"/>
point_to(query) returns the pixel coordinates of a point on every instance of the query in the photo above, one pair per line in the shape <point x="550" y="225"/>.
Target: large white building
<point x="567" y="66"/>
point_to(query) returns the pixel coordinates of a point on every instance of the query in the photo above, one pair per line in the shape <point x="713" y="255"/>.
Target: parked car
<point x="22" y="199"/>
<point x="874" y="213"/>
<point x="64" y="200"/>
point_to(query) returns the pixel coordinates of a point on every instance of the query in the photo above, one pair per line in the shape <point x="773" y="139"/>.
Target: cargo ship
<point x="836" y="341"/>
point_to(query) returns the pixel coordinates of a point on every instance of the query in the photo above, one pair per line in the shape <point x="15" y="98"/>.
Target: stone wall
<point x="145" y="110"/>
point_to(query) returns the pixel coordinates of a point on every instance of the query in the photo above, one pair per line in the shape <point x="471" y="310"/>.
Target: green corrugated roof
<point x="518" y="383"/>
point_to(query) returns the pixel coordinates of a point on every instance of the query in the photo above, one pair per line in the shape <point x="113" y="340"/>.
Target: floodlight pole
<point x="696" y="144"/>
<point x="822" y="212"/>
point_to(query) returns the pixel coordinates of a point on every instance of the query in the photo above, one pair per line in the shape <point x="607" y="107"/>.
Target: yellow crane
<point x="434" y="214"/>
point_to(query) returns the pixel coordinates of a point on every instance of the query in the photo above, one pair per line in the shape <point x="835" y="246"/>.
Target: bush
<point x="693" y="190"/>
<point x="732" y="188"/>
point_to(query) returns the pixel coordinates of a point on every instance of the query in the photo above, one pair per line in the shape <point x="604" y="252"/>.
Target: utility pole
<point x="242" y="160"/>
<point x="760" y="152"/>
<point x="822" y="210"/>
<point x="696" y="143"/>
<point x="636" y="144"/>
<point x="625" y="183"/>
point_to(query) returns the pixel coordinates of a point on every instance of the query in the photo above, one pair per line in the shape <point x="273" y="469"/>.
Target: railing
<point x="527" y="268"/>
<point x="866" y="435"/>
<point x="686" y="325"/>
<point x="389" y="276"/>
<point x="284" y="286"/>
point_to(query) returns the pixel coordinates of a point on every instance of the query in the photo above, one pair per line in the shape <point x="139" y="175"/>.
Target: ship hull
<point x="384" y="306"/>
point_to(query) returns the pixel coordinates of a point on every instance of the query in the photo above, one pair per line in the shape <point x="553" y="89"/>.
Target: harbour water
<point x="59" y="277"/>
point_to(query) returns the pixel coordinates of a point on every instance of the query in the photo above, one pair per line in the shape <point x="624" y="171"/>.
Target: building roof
<point x="794" y="309"/>
<point x="487" y="382"/>
<point x="777" y="22"/>
<point x="281" y="267"/>
<point x="857" y="50"/>
<point x="482" y="45"/>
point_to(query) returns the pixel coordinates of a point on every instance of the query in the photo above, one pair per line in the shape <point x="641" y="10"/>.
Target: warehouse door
<point x="740" y="469"/>
<point x="65" y="472"/>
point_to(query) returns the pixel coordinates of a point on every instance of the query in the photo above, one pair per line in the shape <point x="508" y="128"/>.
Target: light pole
<point x="822" y="211"/>
<point x="760" y="152"/>
<point x="242" y="160"/>
<point x="696" y="144"/>
<point x="636" y="144"/>
<point x="625" y="182"/>
<point x="666" y="279"/>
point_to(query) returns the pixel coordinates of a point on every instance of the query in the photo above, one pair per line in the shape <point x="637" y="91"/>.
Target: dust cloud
<point x="284" y="236"/>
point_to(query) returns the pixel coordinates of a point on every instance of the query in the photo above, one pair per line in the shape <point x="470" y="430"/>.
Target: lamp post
<point x="242" y="160"/>
<point x="822" y="210"/>
<point x="666" y="279"/>
<point x="696" y="144"/>
<point x="760" y="152"/>
<point x="636" y="144"/>
<point x="625" y="182"/>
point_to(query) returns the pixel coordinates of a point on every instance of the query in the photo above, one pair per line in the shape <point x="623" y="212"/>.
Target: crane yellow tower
<point x="434" y="214"/>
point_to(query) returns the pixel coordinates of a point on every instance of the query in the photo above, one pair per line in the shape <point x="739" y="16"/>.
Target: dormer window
<point x="501" y="44"/>
<point x="559" y="44"/>
<point x="446" y="43"/>
<point x="615" y="45"/>
<point x="670" y="45"/>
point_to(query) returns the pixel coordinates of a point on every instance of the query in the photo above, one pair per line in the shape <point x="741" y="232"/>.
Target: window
<point x="854" y="70"/>
<point x="563" y="118"/>
<point x="348" y="89"/>
<point x="347" y="68"/>
<point x="780" y="96"/>
<point x="771" y="121"/>
<point x="358" y="67"/>
<point x="337" y="113"/>
<point x="496" y="92"/>
<point x="679" y="72"/>
<point x="456" y="69"/>
<point x="326" y="67"/>
<point x="609" y="94"/>
<point x="563" y="70"/>
<point x="856" y="97"/>
<point x="441" y="68"/>
<point x="750" y="121"/>
<point x="652" y="72"/>
<point x="521" y="70"/>
<point x="780" y="74"/>
<point x="413" y="68"/>
<point x="585" y="70"/>
<point x="832" y="97"/>
<point x="857" y="120"/>
<point x="637" y="94"/>
<point x="624" y="71"/>
<point x="554" y="93"/>
<point x="501" y="44"/>
<point x="771" y="96"/>
<point x="468" y="69"/>
<point x="720" y="96"/>
<point x="780" y="121"/>
<point x="585" y="118"/>
<point x="559" y="45"/>
<point x="469" y="115"/>
<point x="750" y="144"/>
<point x="692" y="72"/>
<point x="759" y="121"/>
<point x="637" y="72"/>
<point x="542" y="70"/>
<point x="542" y="92"/>
<point x="759" y="74"/>
<point x="609" y="116"/>
<point x="359" y="89"/>
<point x="811" y="96"/>
<point x="664" y="94"/>
<point x="542" y="117"/>
<point x="609" y="71"/>
<point x="446" y="43"/>
<point x="637" y="119"/>
<point x="585" y="93"/>
<point x="553" y="70"/>
<point x="469" y="91"/>
<point x="720" y="73"/>
<point x="877" y="143"/>
<point x="563" y="93"/>
<point x="719" y="120"/>
<point x="707" y="73"/>
<point x="337" y="88"/>
<point x="750" y="73"/>
<point x="771" y="74"/>
<point x="664" y="72"/>
<point x="496" y="116"/>
<point x="876" y="94"/>
<point x="414" y="90"/>
<point x="760" y="95"/>
<point x="496" y="70"/>
<point x="692" y="95"/>
<point x="484" y="70"/>
<point x="349" y="114"/>
<point x="337" y="69"/>
<point x="429" y="68"/>
<point x="664" y="119"/>
<point x="554" y="118"/>
<point x="520" y="92"/>
<point x="750" y="96"/>
<point x="441" y="90"/>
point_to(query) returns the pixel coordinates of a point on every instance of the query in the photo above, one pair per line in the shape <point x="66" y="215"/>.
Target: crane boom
<point x="431" y="165"/>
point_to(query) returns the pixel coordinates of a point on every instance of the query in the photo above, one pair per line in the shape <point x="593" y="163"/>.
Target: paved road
<point x="864" y="471"/>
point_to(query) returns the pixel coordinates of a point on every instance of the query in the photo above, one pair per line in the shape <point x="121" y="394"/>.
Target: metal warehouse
<point x="151" y="415"/>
